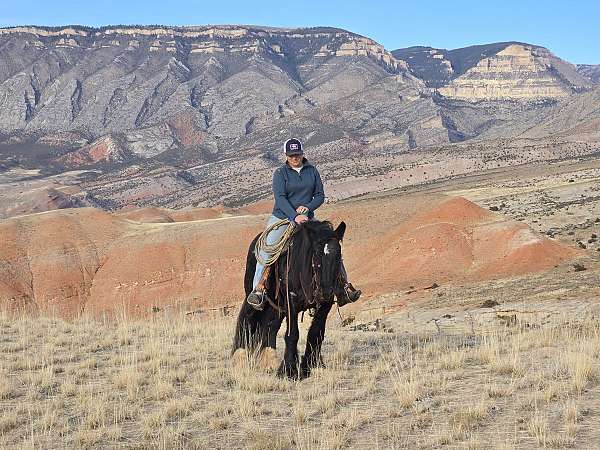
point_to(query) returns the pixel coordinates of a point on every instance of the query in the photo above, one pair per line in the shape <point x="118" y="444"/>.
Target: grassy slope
<point x="170" y="384"/>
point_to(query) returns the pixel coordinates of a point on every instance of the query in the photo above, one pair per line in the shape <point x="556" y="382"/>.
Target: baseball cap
<point x="292" y="147"/>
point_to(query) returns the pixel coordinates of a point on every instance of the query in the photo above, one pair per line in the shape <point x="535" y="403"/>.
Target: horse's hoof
<point x="239" y="359"/>
<point x="286" y="371"/>
<point x="319" y="363"/>
<point x="304" y="372"/>
<point x="268" y="359"/>
<point x="312" y="363"/>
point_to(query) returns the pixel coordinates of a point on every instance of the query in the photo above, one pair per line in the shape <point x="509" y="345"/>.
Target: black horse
<point x="303" y="277"/>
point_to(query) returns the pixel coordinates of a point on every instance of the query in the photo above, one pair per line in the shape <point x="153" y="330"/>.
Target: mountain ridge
<point x="121" y="100"/>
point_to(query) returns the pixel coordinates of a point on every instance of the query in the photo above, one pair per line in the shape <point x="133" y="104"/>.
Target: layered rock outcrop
<point x="432" y="65"/>
<point x="518" y="72"/>
<point x="492" y="72"/>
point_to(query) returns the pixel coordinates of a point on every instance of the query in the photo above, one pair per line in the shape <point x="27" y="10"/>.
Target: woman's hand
<point x="301" y="209"/>
<point x="300" y="219"/>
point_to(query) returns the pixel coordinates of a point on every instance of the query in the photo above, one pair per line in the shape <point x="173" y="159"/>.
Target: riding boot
<point x="345" y="292"/>
<point x="257" y="298"/>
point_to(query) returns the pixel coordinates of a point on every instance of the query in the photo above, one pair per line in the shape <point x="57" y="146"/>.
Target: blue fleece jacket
<point x="292" y="189"/>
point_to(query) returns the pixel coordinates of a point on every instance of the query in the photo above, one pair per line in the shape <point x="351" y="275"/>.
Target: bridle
<point x="317" y="269"/>
<point x="316" y="289"/>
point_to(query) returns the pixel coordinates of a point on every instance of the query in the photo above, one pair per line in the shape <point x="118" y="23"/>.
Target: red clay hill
<point x="451" y="240"/>
<point x="74" y="260"/>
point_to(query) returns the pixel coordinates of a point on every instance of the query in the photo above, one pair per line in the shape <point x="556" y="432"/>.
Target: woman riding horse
<point x="306" y="265"/>
<point x="298" y="192"/>
<point x="303" y="277"/>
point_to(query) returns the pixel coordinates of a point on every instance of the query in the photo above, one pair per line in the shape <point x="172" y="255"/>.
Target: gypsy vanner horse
<point x="304" y="276"/>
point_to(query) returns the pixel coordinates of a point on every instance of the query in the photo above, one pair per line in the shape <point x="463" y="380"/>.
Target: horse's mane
<point x="304" y="242"/>
<point x="320" y="229"/>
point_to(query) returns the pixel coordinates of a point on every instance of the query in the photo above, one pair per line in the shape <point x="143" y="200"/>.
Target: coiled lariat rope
<point x="276" y="249"/>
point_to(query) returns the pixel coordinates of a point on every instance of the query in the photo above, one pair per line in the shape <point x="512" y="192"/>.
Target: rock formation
<point x="450" y="240"/>
<point x="518" y="72"/>
<point x="503" y="71"/>
<point x="432" y="65"/>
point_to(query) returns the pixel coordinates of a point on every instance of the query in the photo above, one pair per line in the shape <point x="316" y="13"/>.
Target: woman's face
<point x="295" y="160"/>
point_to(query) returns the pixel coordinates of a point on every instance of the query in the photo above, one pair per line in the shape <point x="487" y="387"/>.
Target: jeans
<point x="273" y="237"/>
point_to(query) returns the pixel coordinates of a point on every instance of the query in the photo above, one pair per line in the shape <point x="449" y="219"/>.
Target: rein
<point x="316" y="289"/>
<point x="314" y="296"/>
<point x="287" y="288"/>
<point x="317" y="292"/>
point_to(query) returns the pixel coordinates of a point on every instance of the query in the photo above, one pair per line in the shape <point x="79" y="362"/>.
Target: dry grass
<point x="170" y="384"/>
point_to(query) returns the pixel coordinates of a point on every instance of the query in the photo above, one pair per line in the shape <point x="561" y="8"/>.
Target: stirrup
<point x="350" y="295"/>
<point x="257" y="299"/>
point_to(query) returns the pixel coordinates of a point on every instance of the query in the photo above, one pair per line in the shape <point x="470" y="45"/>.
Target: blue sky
<point x="569" y="28"/>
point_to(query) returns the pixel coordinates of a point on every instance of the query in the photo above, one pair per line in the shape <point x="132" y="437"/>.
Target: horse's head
<point x="329" y="255"/>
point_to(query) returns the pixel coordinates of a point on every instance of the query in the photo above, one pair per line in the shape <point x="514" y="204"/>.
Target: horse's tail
<point x="250" y="267"/>
<point x="247" y="320"/>
<point x="245" y="328"/>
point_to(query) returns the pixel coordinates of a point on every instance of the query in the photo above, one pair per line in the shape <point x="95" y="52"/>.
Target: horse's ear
<point x="340" y="230"/>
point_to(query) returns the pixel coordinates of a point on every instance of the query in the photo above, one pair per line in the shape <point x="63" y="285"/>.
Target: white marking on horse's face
<point x="326" y="249"/>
